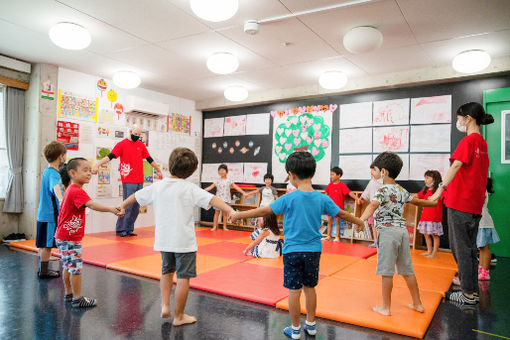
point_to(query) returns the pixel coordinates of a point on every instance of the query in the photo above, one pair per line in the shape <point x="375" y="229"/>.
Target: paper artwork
<point x="180" y="123"/>
<point x="75" y="107"/>
<point x="355" y="115"/>
<point x="209" y="172"/>
<point x="429" y="110"/>
<point x="107" y="116"/>
<point x="213" y="127"/>
<point x="430" y="138"/>
<point x="355" y="166"/>
<point x="102" y="86"/>
<point x="235" y="126"/>
<point x="103" y="131"/>
<point x="395" y="139"/>
<point x="254" y="172"/>
<point x="112" y="97"/>
<point x="103" y="175"/>
<point x="102" y="152"/>
<point x="391" y="112"/>
<point x="257" y="124"/>
<point x="148" y="172"/>
<point x="48" y="90"/>
<point x="235" y="172"/>
<point x="419" y="163"/>
<point x="356" y="140"/>
<point x="68" y="134"/>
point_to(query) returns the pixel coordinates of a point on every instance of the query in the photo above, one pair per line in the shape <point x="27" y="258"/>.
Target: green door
<point x="496" y="101"/>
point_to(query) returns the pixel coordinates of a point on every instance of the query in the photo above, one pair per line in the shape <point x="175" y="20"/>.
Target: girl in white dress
<point x="266" y="241"/>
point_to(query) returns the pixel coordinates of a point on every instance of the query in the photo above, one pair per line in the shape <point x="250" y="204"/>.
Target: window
<point x="4" y="165"/>
<point x="505" y="137"/>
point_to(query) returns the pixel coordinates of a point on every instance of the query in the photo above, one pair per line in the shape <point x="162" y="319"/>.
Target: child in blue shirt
<point x="50" y="198"/>
<point x="302" y="248"/>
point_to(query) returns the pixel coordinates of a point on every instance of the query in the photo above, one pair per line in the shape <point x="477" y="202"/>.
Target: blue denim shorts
<point x="301" y="269"/>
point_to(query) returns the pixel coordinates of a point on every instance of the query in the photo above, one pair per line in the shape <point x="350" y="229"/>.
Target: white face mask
<point x="430" y="185"/>
<point x="460" y="127"/>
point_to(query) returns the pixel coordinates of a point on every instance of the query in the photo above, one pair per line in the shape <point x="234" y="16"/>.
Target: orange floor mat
<point x="351" y="301"/>
<point x="26" y="245"/>
<point x="429" y="278"/>
<point x="246" y="240"/>
<point x="443" y="260"/>
<point x="329" y="264"/>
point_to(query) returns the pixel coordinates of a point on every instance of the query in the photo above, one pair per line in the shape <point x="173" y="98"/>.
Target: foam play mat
<point x="347" y="289"/>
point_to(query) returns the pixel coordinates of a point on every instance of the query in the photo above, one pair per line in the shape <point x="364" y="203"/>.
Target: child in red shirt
<point x="337" y="190"/>
<point x="431" y="217"/>
<point x="70" y="230"/>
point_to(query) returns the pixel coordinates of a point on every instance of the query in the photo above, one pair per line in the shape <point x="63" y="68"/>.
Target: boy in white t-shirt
<point x="173" y="200"/>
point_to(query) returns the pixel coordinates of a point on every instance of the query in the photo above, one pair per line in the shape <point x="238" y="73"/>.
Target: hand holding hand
<point x="234" y="217"/>
<point x="119" y="211"/>
<point x="360" y="227"/>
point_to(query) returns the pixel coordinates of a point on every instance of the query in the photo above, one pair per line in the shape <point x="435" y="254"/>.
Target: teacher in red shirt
<point x="465" y="184"/>
<point x="132" y="152"/>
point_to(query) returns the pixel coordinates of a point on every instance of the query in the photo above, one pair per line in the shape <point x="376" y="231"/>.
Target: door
<point x="496" y="102"/>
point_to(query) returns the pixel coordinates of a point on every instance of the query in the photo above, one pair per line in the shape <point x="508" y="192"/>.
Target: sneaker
<point x="292" y="333"/>
<point x="68" y="297"/>
<point x="456" y="281"/>
<point x="476" y="296"/>
<point x="337" y="239"/>
<point x="483" y="274"/>
<point x="460" y="298"/>
<point x="310" y="329"/>
<point x="326" y="238"/>
<point x="494" y="260"/>
<point x="83" y="302"/>
<point x="21" y="237"/>
<point x="373" y="245"/>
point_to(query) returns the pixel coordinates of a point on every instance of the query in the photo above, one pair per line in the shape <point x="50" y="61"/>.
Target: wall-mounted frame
<point x="505" y="137"/>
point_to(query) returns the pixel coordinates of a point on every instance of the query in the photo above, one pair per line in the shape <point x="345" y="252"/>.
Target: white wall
<point x="84" y="85"/>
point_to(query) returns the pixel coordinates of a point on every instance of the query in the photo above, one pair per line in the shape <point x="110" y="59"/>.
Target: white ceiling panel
<point x="152" y="21"/>
<point x="433" y="20"/>
<point x="305" y="5"/>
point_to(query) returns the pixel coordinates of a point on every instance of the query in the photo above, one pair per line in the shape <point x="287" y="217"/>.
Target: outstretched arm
<point x="156" y="167"/>
<point x="259" y="212"/>
<point x="236" y="187"/>
<point x="251" y="193"/>
<point x="423" y="203"/>
<point x="99" y="207"/>
<point x="99" y="164"/>
<point x="218" y="203"/>
<point x="344" y="215"/>
<point x="210" y="187"/>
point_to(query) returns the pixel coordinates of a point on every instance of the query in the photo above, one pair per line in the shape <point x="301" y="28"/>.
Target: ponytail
<point x="487" y="119"/>
<point x="476" y="111"/>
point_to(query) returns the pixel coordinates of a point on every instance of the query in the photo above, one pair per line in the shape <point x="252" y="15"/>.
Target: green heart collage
<point x="305" y="130"/>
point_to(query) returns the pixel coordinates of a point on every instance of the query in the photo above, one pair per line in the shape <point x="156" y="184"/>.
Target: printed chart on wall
<point x="303" y="128"/>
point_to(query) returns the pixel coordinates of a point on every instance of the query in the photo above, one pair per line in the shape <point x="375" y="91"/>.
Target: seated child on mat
<point x="174" y="200"/>
<point x="266" y="240"/>
<point x="71" y="229"/>
<point x="393" y="238"/>
<point x="303" y="210"/>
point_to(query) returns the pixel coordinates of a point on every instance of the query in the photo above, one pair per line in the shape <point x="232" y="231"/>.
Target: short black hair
<point x="223" y="166"/>
<point x="372" y="165"/>
<point x="64" y="175"/>
<point x="337" y="170"/>
<point x="182" y="162"/>
<point x="302" y="164"/>
<point x="75" y="163"/>
<point x="389" y="161"/>
<point x="269" y="176"/>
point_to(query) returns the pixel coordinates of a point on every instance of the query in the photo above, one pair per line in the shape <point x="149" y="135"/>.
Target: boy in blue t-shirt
<point x="303" y="209"/>
<point x="50" y="197"/>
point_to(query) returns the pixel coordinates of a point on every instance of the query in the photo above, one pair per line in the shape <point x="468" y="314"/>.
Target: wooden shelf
<point x="241" y="205"/>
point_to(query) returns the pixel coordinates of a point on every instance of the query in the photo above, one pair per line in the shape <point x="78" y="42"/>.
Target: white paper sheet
<point x="356" y="140"/>
<point x="213" y="127"/>
<point x="257" y="124"/>
<point x="355" y="167"/>
<point x="394" y="139"/>
<point x="236" y="172"/>
<point x="428" y="110"/>
<point x="419" y="163"/>
<point x="391" y="112"/>
<point x="235" y="126"/>
<point x="209" y="172"/>
<point x="430" y="138"/>
<point x="404" y="173"/>
<point x="254" y="172"/>
<point x="355" y="115"/>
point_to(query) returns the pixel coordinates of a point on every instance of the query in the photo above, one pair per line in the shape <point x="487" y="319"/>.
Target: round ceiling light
<point x="126" y="79"/>
<point x="70" y="36"/>
<point x="214" y="10"/>
<point x="471" y="61"/>
<point x="222" y="63"/>
<point x="236" y="93"/>
<point x="363" y="39"/>
<point x="333" y="80"/>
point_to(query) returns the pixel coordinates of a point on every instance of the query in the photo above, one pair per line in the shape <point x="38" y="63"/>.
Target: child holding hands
<point x="173" y="200"/>
<point x="393" y="239"/>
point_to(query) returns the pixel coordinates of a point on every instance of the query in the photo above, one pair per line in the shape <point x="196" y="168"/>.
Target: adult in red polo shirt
<point x="132" y="152"/>
<point x="466" y="180"/>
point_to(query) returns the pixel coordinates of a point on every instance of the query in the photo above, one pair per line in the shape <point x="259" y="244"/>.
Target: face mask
<point x="460" y="127"/>
<point x="430" y="185"/>
<point x="134" y="138"/>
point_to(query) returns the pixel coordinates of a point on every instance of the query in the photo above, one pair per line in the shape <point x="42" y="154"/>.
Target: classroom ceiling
<point x="168" y="45"/>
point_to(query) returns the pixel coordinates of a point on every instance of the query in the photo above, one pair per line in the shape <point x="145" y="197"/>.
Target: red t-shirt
<point x="432" y="214"/>
<point x="71" y="217"/>
<point x="131" y="156"/>
<point x="337" y="192"/>
<point x="466" y="192"/>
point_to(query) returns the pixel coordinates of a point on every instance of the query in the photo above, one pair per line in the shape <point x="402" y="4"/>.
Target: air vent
<point x="143" y="114"/>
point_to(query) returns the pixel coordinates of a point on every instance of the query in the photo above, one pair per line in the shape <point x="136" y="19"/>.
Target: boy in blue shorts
<point x="303" y="209"/>
<point x="50" y="199"/>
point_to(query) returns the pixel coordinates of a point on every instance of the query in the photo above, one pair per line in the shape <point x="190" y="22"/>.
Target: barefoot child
<point x="303" y="209"/>
<point x="393" y="238"/>
<point x="223" y="185"/>
<point x="367" y="195"/>
<point x="337" y="190"/>
<point x="174" y="200"/>
<point x="71" y="229"/>
<point x="431" y="225"/>
<point x="266" y="240"/>
<point x="50" y="199"/>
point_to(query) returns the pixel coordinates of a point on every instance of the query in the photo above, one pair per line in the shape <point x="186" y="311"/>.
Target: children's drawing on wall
<point x="103" y="175"/>
<point x="148" y="172"/>
<point x="102" y="152"/>
<point x="144" y="138"/>
<point x="353" y="141"/>
<point x="428" y="110"/>
<point x="213" y="127"/>
<point x="419" y="163"/>
<point x="48" y="90"/>
<point x="394" y="139"/>
<point x="254" y="172"/>
<point x="102" y="86"/>
<point x="103" y="131"/>
<point x="68" y="134"/>
<point x="307" y="128"/>
<point x="235" y="126"/>
<point x="112" y="97"/>
<point x="107" y="116"/>
<point x="235" y="171"/>
<point x="118" y="109"/>
<point x="391" y="112"/>
<point x="75" y="107"/>
<point x="181" y="123"/>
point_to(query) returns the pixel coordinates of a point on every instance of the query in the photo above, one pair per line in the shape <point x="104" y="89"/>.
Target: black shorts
<point x="301" y="269"/>
<point x="45" y="237"/>
<point x="184" y="264"/>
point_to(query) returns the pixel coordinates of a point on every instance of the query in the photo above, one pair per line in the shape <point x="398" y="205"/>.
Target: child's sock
<point x="310" y="328"/>
<point x="45" y="273"/>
